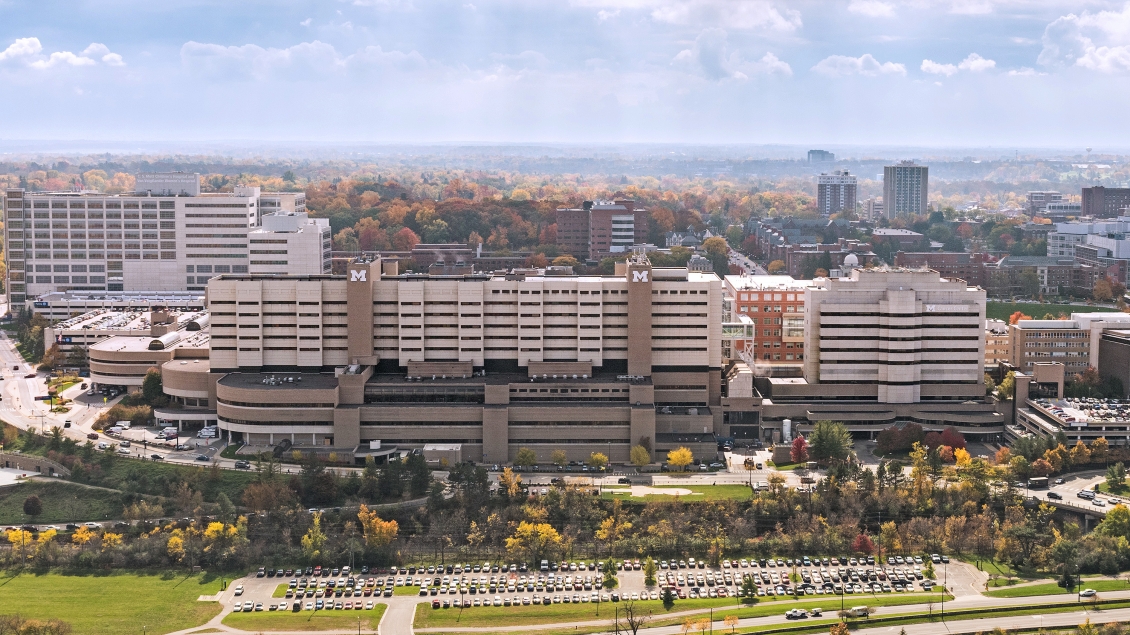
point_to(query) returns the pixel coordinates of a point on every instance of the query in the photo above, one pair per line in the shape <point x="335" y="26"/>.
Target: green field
<point x="699" y="492"/>
<point x="427" y="617"/>
<point x="63" y="502"/>
<point x="111" y="604"/>
<point x="1002" y="310"/>
<point x="306" y="620"/>
<point x="1098" y="584"/>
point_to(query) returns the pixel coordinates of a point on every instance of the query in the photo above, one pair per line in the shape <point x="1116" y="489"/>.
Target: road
<point x="747" y="264"/>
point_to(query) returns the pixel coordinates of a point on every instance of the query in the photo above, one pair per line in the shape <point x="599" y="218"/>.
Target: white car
<point x="239" y="590"/>
<point x="1087" y="593"/>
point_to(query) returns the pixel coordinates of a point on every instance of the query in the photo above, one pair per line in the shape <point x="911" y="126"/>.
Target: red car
<point x="93" y="436"/>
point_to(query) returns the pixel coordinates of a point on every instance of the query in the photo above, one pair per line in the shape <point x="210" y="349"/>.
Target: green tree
<point x="33" y="506"/>
<point x="649" y="571"/>
<point x="829" y="440"/>
<point x="559" y="458"/>
<point x="152" y="390"/>
<point x="525" y="457"/>
<point x="640" y="456"/>
<point x="610" y="580"/>
<point x="1007" y="386"/>
<point x="1116" y="476"/>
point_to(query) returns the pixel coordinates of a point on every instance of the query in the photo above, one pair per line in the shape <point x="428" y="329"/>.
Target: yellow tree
<point x="1100" y="449"/>
<point x="732" y="622"/>
<point x="315" y="538"/>
<point x="20" y="540"/>
<point x="82" y="536"/>
<point x="510" y="483"/>
<point x="111" y="540"/>
<point x="961" y="457"/>
<point x="599" y="460"/>
<point x="680" y="457"/>
<point x="533" y="540"/>
<point x="1080" y="455"/>
<point x="175" y="546"/>
<point x="378" y="532"/>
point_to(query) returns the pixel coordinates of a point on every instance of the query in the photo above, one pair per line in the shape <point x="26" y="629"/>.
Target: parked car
<point x="93" y="436"/>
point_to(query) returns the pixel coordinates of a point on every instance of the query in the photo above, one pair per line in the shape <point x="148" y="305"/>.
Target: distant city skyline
<point x="927" y="73"/>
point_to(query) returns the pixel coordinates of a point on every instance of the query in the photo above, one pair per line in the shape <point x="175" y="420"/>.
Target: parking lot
<point x="493" y="584"/>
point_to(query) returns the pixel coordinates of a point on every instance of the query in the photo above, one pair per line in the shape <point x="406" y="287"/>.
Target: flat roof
<point x="140" y="344"/>
<point x="110" y="320"/>
<point x="280" y="381"/>
<point x="1069" y="411"/>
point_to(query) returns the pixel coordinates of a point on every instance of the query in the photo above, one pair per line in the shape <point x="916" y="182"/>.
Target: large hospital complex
<point x="230" y="296"/>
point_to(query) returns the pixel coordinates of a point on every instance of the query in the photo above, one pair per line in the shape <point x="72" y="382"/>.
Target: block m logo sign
<point x="639" y="276"/>
<point x="358" y="275"/>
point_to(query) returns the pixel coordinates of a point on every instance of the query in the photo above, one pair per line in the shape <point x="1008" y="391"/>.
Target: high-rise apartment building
<point x="872" y="209"/>
<point x="821" y="156"/>
<point x="491" y="363"/>
<point x="599" y="229"/>
<point x="1105" y="202"/>
<point x="835" y="192"/>
<point x="165" y="237"/>
<point x="906" y="188"/>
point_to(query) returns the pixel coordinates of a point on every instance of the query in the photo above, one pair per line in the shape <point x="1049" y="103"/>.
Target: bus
<point x="1038" y="482"/>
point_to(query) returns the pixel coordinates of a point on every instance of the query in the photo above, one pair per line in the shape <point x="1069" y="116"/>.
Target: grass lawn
<point x="1120" y="490"/>
<point x="63" y="502"/>
<point x="699" y="492"/>
<point x="1002" y="310"/>
<point x="1051" y="588"/>
<point x="160" y="479"/>
<point x="992" y="567"/>
<point x="113" y="603"/>
<point x="785" y="467"/>
<point x="280" y="591"/>
<point x="306" y="620"/>
<point x="406" y="590"/>
<point x="427" y="617"/>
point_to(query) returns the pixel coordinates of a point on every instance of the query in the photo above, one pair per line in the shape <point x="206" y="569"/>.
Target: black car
<point x="156" y="457"/>
<point x="624" y="480"/>
<point x="202" y="457"/>
<point x="243" y="465"/>
<point x="1055" y="497"/>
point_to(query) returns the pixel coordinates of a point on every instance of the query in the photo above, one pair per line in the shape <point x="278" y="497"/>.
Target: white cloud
<point x="603" y="15"/>
<point x="1024" y="71"/>
<point x="934" y="68"/>
<point x="1023" y="41"/>
<point x="872" y="8"/>
<point x="866" y="64"/>
<point x="102" y="52"/>
<point x="63" y="57"/>
<point x="974" y="63"/>
<point x="21" y="48"/>
<point x="30" y="49"/>
<point x="713" y="58"/>
<point x="1096" y="41"/>
<point x="306" y="22"/>
<point x="730" y="14"/>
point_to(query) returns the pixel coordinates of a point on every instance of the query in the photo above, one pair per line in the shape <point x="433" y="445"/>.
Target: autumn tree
<point x="559" y="458"/>
<point x="863" y="544"/>
<point x="315" y="538"/>
<point x="533" y="541"/>
<point x="599" y="460"/>
<point x="405" y="240"/>
<point x="1017" y="316"/>
<point x="680" y="457"/>
<point x="776" y="267"/>
<point x="798" y="453"/>
<point x="509" y="483"/>
<point x="378" y="533"/>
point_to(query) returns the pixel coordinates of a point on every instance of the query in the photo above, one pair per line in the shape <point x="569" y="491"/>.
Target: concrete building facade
<point x="836" y="192"/>
<point x="169" y="237"/>
<point x="599" y="229"/>
<point x="906" y="187"/>
<point x="493" y="363"/>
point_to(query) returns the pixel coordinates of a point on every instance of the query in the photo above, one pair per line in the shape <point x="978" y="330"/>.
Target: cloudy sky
<point x="918" y="72"/>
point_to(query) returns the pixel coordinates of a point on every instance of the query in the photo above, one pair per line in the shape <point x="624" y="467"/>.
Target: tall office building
<point x="1105" y="202"/>
<point x="167" y="236"/>
<point x="836" y="192"/>
<point x="872" y="209"/>
<point x="821" y="156"/>
<point x="599" y="229"/>
<point x="906" y="187"/>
